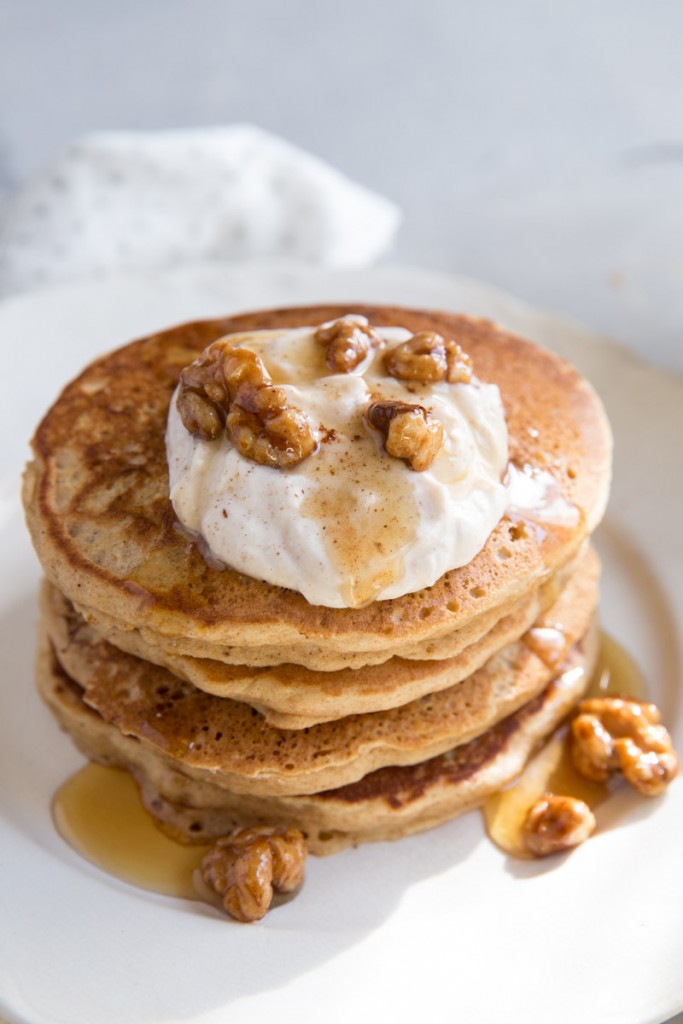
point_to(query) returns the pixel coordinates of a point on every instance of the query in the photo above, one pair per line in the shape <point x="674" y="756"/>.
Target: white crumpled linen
<point x="131" y="201"/>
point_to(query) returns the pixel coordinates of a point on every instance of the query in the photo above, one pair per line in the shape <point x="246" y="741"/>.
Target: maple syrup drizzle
<point x="368" y="528"/>
<point x="551" y="770"/>
<point x="538" y="506"/>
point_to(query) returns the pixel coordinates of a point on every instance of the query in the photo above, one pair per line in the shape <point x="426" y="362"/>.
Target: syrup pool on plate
<point x="551" y="770"/>
<point x="98" y="811"/>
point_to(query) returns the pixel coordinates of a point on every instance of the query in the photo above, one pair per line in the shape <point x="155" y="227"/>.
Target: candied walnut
<point x="611" y="734"/>
<point x="459" y="364"/>
<point x="347" y="342"/>
<point x="278" y="439"/>
<point x="200" y="416"/>
<point x="242" y="369"/>
<point x="248" y="866"/>
<point x="556" y="823"/>
<point x="230" y="388"/>
<point x="261" y="423"/>
<point x="202" y="395"/>
<point x="592" y="748"/>
<point x="409" y="432"/>
<point x="427" y="358"/>
<point x="647" y="770"/>
<point x="422" y="358"/>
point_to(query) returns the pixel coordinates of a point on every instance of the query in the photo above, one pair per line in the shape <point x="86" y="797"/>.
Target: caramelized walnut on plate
<point x="246" y="868"/>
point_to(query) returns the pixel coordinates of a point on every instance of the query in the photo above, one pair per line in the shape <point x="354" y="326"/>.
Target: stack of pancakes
<point x="234" y="702"/>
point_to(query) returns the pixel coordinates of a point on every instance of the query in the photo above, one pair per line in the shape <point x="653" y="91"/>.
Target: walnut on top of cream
<point x="409" y="432"/>
<point x="389" y="454"/>
<point x="347" y="342"/>
<point x="428" y="357"/>
<point x="230" y="387"/>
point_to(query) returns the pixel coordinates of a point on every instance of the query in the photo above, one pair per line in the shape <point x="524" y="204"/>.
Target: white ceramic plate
<point x="438" y="927"/>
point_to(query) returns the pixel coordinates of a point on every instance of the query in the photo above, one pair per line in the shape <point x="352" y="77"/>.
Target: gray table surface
<point x="537" y="146"/>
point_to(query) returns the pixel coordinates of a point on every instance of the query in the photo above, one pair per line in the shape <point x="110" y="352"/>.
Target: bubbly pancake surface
<point x="97" y="503"/>
<point x="293" y="697"/>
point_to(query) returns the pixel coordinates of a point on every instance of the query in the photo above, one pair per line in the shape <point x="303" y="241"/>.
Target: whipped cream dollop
<point x="349" y="524"/>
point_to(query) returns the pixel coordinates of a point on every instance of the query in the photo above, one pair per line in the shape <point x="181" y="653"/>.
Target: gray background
<point x="537" y="145"/>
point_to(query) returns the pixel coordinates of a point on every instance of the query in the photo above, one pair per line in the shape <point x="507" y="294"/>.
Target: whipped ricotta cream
<point x="349" y="524"/>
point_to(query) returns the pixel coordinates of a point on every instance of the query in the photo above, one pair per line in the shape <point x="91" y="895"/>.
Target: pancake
<point x="183" y="654"/>
<point x="317" y="659"/>
<point x="385" y="804"/>
<point x="96" y="499"/>
<point x="294" y="697"/>
<point x="231" y="744"/>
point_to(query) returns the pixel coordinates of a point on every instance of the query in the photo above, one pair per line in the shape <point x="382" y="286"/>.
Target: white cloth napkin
<point x="138" y="201"/>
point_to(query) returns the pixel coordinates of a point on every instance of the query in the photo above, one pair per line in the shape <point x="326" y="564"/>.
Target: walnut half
<point x="347" y="342"/>
<point x="203" y="395"/>
<point x="248" y="866"/>
<point x="426" y="358"/>
<point x="557" y="823"/>
<point x="410" y="433"/>
<point x="229" y="388"/>
<point x="611" y="734"/>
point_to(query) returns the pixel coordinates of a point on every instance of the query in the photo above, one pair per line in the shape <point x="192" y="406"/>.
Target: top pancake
<point x="96" y="499"/>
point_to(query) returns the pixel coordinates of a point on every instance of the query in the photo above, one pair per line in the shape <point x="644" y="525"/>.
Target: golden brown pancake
<point x="318" y="659"/>
<point x="232" y="745"/>
<point x="293" y="697"/>
<point x="96" y="499"/>
<point x="385" y="804"/>
<point x="174" y="651"/>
